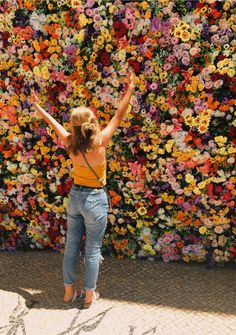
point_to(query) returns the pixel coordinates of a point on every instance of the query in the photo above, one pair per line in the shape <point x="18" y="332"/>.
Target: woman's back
<point x="82" y="173"/>
<point x="95" y="157"/>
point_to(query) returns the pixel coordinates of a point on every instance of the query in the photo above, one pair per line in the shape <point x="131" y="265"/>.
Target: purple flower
<point x="156" y="24"/>
<point x="186" y="206"/>
<point x="70" y="50"/>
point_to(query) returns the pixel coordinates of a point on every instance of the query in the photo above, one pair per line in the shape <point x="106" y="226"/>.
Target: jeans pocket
<point x="97" y="198"/>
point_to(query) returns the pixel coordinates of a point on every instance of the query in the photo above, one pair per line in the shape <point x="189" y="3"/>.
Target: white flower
<point x="37" y="21"/>
<point x="231" y="160"/>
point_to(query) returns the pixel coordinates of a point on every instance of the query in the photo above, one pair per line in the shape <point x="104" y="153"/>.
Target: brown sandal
<point x="77" y="295"/>
<point x="96" y="296"/>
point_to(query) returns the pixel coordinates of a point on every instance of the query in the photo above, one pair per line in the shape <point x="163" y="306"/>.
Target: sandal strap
<point x="96" y="296"/>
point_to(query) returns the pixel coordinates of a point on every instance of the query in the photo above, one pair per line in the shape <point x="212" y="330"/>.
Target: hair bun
<point x="87" y="128"/>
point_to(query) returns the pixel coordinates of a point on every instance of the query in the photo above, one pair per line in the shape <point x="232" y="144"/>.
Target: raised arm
<point x="110" y="129"/>
<point x="61" y="132"/>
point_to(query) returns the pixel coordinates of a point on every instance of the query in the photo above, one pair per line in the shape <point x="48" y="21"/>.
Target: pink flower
<point x="167" y="66"/>
<point x="208" y="84"/>
<point x="179" y="191"/>
<point x="218" y="83"/>
<point x="185" y="60"/>
<point x="62" y="98"/>
<point x="153" y="86"/>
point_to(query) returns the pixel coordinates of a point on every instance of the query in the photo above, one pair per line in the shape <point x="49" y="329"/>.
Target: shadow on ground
<point x="37" y="277"/>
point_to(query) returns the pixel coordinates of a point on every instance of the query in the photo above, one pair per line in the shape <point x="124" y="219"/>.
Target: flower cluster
<point x="171" y="164"/>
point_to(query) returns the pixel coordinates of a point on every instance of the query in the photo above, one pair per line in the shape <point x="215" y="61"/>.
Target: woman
<point x="87" y="203"/>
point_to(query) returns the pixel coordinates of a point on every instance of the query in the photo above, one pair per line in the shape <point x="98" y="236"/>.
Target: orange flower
<point x="115" y="198"/>
<point x="86" y="93"/>
<point x="193" y="208"/>
<point x="224" y="108"/>
<point x="197" y="141"/>
<point x="187" y="222"/>
<point x="9" y="113"/>
<point x="51" y="29"/>
<point x="190" y="164"/>
<point x="180" y="244"/>
<point x="188" y="138"/>
<point x="197" y="223"/>
<point x="180" y="215"/>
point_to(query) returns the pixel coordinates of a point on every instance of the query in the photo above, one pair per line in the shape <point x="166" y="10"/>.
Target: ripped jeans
<point x="86" y="212"/>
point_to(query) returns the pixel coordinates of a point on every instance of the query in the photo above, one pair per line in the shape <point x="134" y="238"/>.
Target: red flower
<point x="105" y="59"/>
<point x="176" y="69"/>
<point x="5" y="36"/>
<point x="232" y="248"/>
<point x="209" y="188"/>
<point x="232" y="134"/>
<point x="218" y="189"/>
<point x="135" y="65"/>
<point x="227" y="196"/>
<point x="120" y="29"/>
<point x="152" y="210"/>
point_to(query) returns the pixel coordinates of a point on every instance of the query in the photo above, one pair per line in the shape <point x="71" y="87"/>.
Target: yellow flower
<point x="45" y="73"/>
<point x="131" y="229"/>
<point x="109" y="48"/>
<point x="80" y="36"/>
<point x="160" y="100"/>
<point x="169" y="145"/>
<point x="186" y="259"/>
<point x="114" y="166"/>
<point x="226" y="6"/>
<point x="144" y="5"/>
<point x="151" y="97"/>
<point x="82" y="20"/>
<point x="37" y="71"/>
<point x="196" y="190"/>
<point x="177" y="32"/>
<point x="34" y="172"/>
<point x="202" y="185"/>
<point x="142" y="210"/>
<point x="100" y="40"/>
<point x="161" y="151"/>
<point x="201" y="86"/>
<point x="50" y="6"/>
<point x="164" y="107"/>
<point x="189" y="178"/>
<point x="220" y="140"/>
<point x="44" y="150"/>
<point x="222" y="151"/>
<point x="112" y="9"/>
<point x="75" y="3"/>
<point x="212" y="68"/>
<point x="163" y="75"/>
<point x="202" y="230"/>
<point x="139" y="224"/>
<point x="231" y="73"/>
<point x="231" y="150"/>
<point x="185" y="36"/>
<point x="36" y="45"/>
<point x="203" y="126"/>
<point x="96" y="102"/>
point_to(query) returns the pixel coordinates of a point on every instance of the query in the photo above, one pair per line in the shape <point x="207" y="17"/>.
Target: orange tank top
<point x="84" y="176"/>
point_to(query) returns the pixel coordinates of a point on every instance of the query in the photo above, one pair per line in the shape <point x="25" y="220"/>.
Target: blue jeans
<point x="86" y="212"/>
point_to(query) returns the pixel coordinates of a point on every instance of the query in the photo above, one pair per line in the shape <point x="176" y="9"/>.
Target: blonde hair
<point x="85" y="130"/>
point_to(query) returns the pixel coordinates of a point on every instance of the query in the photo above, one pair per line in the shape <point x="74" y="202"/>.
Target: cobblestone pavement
<point x="137" y="298"/>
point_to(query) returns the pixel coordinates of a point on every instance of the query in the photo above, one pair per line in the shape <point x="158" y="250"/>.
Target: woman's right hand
<point x="33" y="97"/>
<point x="131" y="80"/>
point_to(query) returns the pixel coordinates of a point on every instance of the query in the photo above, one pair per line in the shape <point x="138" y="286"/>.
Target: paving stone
<point x="137" y="298"/>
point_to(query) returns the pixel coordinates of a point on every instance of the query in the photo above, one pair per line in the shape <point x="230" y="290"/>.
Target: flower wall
<point x="171" y="165"/>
